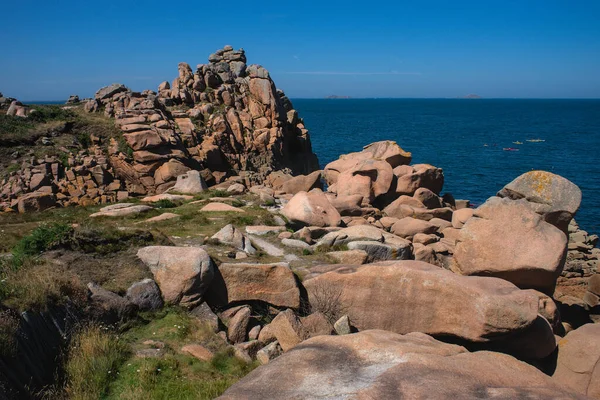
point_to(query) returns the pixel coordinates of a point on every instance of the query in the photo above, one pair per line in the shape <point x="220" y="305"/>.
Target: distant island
<point x="333" y="96"/>
<point x="470" y="96"/>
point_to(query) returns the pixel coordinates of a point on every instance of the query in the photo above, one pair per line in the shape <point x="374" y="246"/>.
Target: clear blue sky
<point x="525" y="48"/>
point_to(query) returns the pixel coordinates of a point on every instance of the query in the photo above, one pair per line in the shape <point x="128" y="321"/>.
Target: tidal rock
<point x="376" y="364"/>
<point x="555" y="198"/>
<point x="311" y="209"/>
<point x="182" y="273"/>
<point x="578" y="364"/>
<point x="242" y="282"/>
<point x="414" y="296"/>
<point x="506" y="239"/>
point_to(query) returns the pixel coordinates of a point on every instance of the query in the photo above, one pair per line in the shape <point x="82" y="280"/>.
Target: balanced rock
<point x="376" y="364"/>
<point x="367" y="178"/>
<point x="182" y="273"/>
<point x="414" y="296"/>
<point x="311" y="209"/>
<point x="506" y="239"/>
<point x="557" y="199"/>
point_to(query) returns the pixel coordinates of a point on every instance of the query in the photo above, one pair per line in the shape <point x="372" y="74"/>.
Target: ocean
<point x="466" y="139"/>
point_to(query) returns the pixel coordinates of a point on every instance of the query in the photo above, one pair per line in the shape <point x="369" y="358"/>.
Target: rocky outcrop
<point x="223" y="117"/>
<point x="379" y="365"/>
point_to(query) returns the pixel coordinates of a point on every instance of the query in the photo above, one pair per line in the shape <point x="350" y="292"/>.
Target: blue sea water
<point x="453" y="133"/>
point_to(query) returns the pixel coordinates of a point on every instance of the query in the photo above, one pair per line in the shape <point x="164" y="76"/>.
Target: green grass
<point x="41" y="239"/>
<point x="164" y="203"/>
<point x="94" y="357"/>
<point x="102" y="364"/>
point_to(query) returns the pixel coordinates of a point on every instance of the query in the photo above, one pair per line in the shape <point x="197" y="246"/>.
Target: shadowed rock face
<point x="413" y="296"/>
<point x="383" y="365"/>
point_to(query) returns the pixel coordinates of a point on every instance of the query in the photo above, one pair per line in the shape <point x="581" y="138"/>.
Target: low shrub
<point x="164" y="203"/>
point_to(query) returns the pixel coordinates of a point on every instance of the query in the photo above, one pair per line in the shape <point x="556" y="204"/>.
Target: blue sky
<point x="539" y="49"/>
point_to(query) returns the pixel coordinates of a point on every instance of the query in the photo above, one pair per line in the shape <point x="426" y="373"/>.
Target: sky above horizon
<point x="496" y="49"/>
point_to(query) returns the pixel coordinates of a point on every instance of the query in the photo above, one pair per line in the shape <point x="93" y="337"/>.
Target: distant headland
<point x="470" y="96"/>
<point x="333" y="96"/>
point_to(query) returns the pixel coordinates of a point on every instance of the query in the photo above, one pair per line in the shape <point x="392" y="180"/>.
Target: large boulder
<point x="506" y="239"/>
<point x="578" y="364"/>
<point x="145" y="294"/>
<point x="413" y="296"/>
<point x="555" y="198"/>
<point x="272" y="283"/>
<point x="311" y="209"/>
<point x="377" y="364"/>
<point x="367" y="178"/>
<point x="182" y="273"/>
<point x="351" y="234"/>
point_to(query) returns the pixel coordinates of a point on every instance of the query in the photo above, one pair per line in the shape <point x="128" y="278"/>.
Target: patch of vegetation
<point x="84" y="139"/>
<point x="164" y="203"/>
<point x="9" y="323"/>
<point x="219" y="193"/>
<point x="47" y="113"/>
<point x="241" y="220"/>
<point x="94" y="358"/>
<point x="105" y="240"/>
<point x="43" y="238"/>
<point x="37" y="284"/>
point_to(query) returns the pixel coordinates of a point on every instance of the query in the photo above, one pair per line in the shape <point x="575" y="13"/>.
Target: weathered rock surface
<point x="555" y="198"/>
<point x="506" y="239"/>
<point x="182" y="273"/>
<point x="272" y="283"/>
<point x="414" y="296"/>
<point x="578" y="364"/>
<point x="382" y="365"/>
<point x="145" y="294"/>
<point x="121" y="210"/>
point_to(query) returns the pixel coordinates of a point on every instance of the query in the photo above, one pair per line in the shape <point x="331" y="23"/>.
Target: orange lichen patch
<point x="541" y="182"/>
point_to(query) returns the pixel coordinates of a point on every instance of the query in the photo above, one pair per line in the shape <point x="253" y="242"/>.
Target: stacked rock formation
<point x="225" y="118"/>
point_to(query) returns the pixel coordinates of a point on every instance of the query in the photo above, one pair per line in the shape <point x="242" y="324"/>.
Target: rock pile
<point x="84" y="179"/>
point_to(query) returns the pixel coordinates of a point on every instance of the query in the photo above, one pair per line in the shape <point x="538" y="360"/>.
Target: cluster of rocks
<point x="73" y="99"/>
<point x="85" y="178"/>
<point x="417" y="281"/>
<point x="226" y="118"/>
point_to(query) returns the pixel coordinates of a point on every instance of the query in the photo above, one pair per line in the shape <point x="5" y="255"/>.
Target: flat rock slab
<point x="356" y="257"/>
<point x="267" y="247"/>
<point x="295" y="243"/>
<point x="121" y="211"/>
<point x="163" y="217"/>
<point x="220" y="207"/>
<point x="377" y="364"/>
<point x="166" y="196"/>
<point x="263" y="229"/>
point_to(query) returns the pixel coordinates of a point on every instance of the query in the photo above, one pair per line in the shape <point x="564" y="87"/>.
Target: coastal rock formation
<point x="380" y="365"/>
<point x="222" y="119"/>
<point x="555" y="198"/>
<point x="225" y="117"/>
<point x="506" y="239"/>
